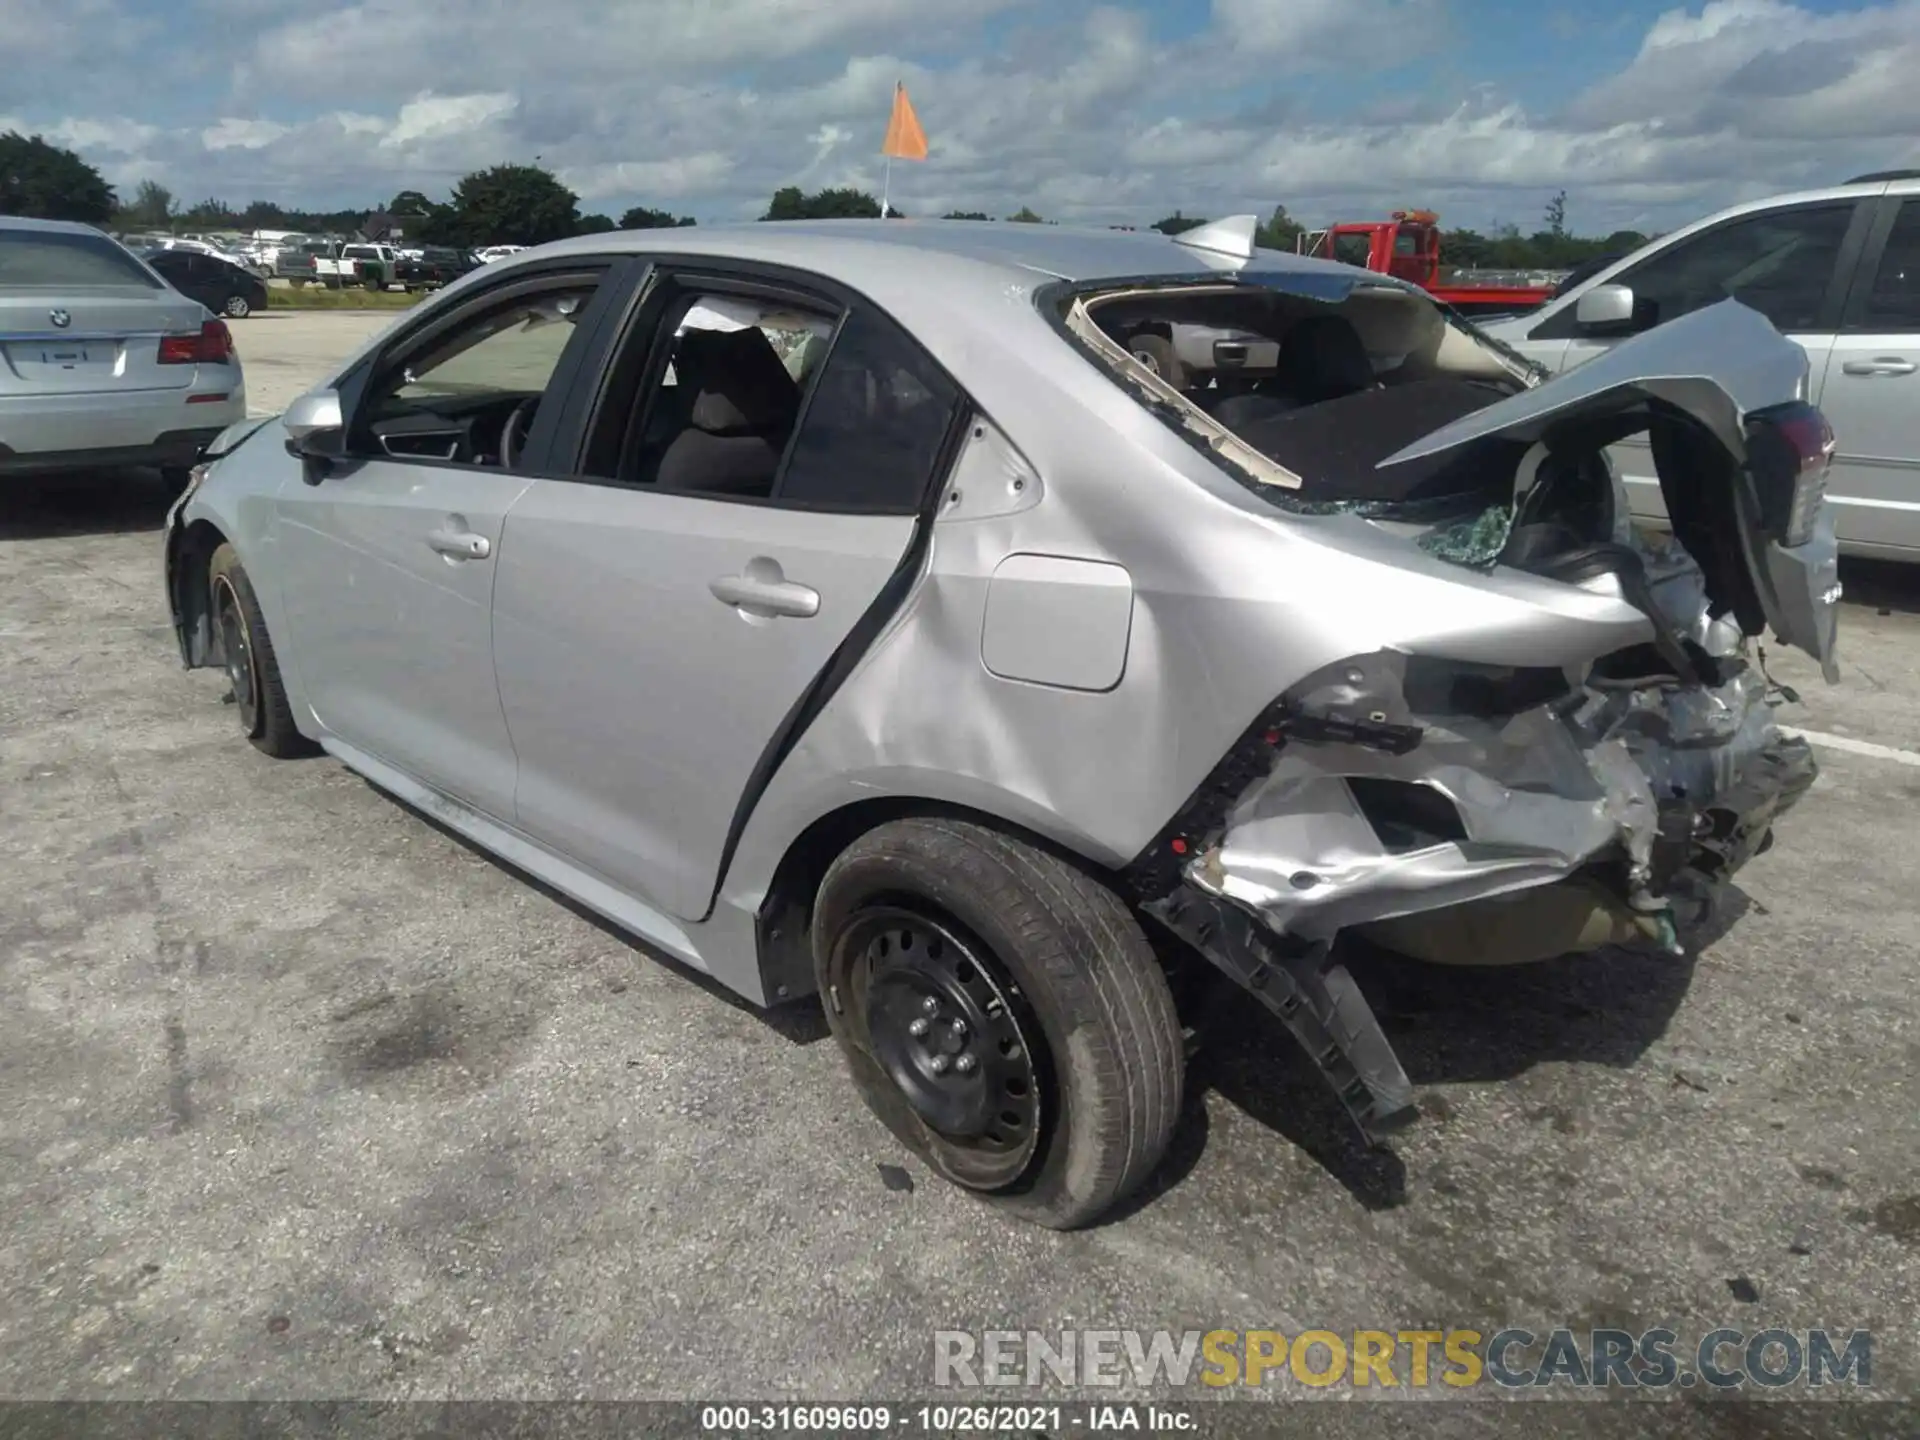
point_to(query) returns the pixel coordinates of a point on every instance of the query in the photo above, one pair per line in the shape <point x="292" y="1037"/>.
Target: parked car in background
<point x="791" y="595"/>
<point x="492" y="253"/>
<point x="373" y="264"/>
<point x="223" y="288"/>
<point x="1837" y="271"/>
<point x="285" y="260"/>
<point x="104" y="363"/>
<point x="194" y="245"/>
<point x="432" y="266"/>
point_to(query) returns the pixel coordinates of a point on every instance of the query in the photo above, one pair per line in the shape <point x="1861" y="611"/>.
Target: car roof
<point x="51" y="227"/>
<point x="940" y="249"/>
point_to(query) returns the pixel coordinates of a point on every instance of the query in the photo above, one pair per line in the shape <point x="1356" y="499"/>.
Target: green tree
<point x="596" y="225"/>
<point x="966" y="215"/>
<point x="513" y="205"/>
<point x="1177" y="224"/>
<point x="264" y="215"/>
<point x="790" y="203"/>
<point x="151" y="208"/>
<point x="1280" y="231"/>
<point x="642" y="217"/>
<point x="209" y="214"/>
<point x="45" y="182"/>
<point x="1557" y="216"/>
<point x="1026" y="216"/>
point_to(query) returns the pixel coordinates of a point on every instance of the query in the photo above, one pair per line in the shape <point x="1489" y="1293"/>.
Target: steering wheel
<point x="513" y="434"/>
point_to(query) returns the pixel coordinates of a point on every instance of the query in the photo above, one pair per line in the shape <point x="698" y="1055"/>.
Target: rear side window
<point x="1894" y="301"/>
<point x="57" y="260"/>
<point x="872" y="434"/>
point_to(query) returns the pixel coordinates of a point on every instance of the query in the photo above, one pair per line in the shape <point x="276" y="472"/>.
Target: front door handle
<point x="766" y="595"/>
<point x="1880" y="365"/>
<point x="461" y="544"/>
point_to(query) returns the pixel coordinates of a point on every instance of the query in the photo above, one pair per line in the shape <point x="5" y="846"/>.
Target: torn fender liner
<point x="1314" y="997"/>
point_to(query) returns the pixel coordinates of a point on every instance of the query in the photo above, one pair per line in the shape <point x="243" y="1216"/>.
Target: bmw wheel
<point x="1002" y="1012"/>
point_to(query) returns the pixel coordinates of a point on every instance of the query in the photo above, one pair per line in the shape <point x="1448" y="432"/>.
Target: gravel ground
<point x="301" y="1097"/>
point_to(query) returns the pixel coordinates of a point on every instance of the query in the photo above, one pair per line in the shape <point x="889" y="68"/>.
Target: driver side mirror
<point x="315" y="425"/>
<point x="1605" y="307"/>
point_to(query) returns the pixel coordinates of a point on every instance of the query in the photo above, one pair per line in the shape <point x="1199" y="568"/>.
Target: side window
<point x="1894" y="301"/>
<point x="728" y="396"/>
<point x="470" y="393"/>
<point x="872" y="434"/>
<point x="1780" y="262"/>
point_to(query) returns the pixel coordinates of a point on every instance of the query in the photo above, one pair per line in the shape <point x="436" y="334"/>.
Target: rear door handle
<point x="766" y="597"/>
<point x="1880" y="365"/>
<point x="460" y="544"/>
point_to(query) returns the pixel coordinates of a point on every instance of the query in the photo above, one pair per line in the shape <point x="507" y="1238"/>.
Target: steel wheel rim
<point x="1150" y="360"/>
<point x="236" y="645"/>
<point x="965" y="1064"/>
<point x="237" y="306"/>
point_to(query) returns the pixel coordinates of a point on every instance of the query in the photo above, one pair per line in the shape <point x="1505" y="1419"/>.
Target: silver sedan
<point x="845" y="609"/>
<point x="101" y="362"/>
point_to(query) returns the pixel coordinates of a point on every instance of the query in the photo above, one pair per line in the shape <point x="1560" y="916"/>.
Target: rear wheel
<point x="1002" y="1013"/>
<point x="260" y="697"/>
<point x="238" y="307"/>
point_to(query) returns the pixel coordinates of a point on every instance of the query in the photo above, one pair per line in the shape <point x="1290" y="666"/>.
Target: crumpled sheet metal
<point x="1539" y="795"/>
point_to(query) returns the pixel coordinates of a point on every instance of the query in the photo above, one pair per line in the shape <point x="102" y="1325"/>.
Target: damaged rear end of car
<point x="1532" y="787"/>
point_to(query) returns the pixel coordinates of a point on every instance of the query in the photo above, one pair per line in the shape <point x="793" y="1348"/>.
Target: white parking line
<point x="1855" y="747"/>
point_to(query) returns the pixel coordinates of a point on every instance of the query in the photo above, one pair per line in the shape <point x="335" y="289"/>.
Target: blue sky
<point x="1647" y="114"/>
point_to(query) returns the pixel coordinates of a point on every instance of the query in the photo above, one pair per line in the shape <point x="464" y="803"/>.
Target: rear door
<point x="1870" y="390"/>
<point x="1791" y="263"/>
<point x="746" y="502"/>
<point x="80" y="315"/>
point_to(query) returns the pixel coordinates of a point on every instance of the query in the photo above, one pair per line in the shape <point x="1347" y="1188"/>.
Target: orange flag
<point x="905" y="139"/>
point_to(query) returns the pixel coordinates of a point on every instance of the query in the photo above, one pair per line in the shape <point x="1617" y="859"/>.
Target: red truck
<point x="1408" y="248"/>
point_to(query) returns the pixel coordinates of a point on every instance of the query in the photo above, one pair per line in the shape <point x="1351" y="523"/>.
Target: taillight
<point x="1789" y="453"/>
<point x="212" y="346"/>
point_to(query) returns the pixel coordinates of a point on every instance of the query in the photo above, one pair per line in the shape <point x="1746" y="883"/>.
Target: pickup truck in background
<point x="432" y="267"/>
<point x="357" y="263"/>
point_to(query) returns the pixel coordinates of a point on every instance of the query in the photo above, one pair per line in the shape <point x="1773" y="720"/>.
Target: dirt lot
<point x="300" y="1097"/>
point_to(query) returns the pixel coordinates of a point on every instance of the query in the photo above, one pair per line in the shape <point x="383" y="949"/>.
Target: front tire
<point x="238" y="307"/>
<point x="259" y="695"/>
<point x="1048" y="1074"/>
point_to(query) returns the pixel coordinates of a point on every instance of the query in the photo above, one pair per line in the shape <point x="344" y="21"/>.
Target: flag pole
<point x="886" y="189"/>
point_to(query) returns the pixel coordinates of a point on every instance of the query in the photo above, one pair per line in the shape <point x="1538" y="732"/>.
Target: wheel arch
<point x="784" y="918"/>
<point x="189" y="555"/>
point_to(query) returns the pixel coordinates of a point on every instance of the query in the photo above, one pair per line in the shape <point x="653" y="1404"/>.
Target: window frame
<point x="1563" y="324"/>
<point x="1853" y="319"/>
<point x="670" y="278"/>
<point x="612" y="277"/>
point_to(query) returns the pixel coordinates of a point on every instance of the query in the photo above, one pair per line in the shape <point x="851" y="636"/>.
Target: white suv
<point x="1836" y="270"/>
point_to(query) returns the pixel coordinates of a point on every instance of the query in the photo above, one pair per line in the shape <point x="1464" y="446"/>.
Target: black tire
<point x="1156" y="353"/>
<point x="259" y="695"/>
<point x="237" y="307"/>
<point x="374" y="282"/>
<point x="1078" y="981"/>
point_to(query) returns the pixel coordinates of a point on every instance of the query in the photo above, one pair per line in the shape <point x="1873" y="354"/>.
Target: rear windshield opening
<point x="61" y="260"/>
<point x="1301" y="396"/>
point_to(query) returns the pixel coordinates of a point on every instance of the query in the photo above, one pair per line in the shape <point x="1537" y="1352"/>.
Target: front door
<point x="390" y="559"/>
<point x="658" y="623"/>
<point x="1871" y="393"/>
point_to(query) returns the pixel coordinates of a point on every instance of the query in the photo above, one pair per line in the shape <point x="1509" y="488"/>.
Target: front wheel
<point x="259" y="695"/>
<point x="238" y="307"/>
<point x="1002" y="1013"/>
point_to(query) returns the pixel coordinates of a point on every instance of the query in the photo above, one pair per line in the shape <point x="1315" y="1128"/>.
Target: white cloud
<point x="1077" y="110"/>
